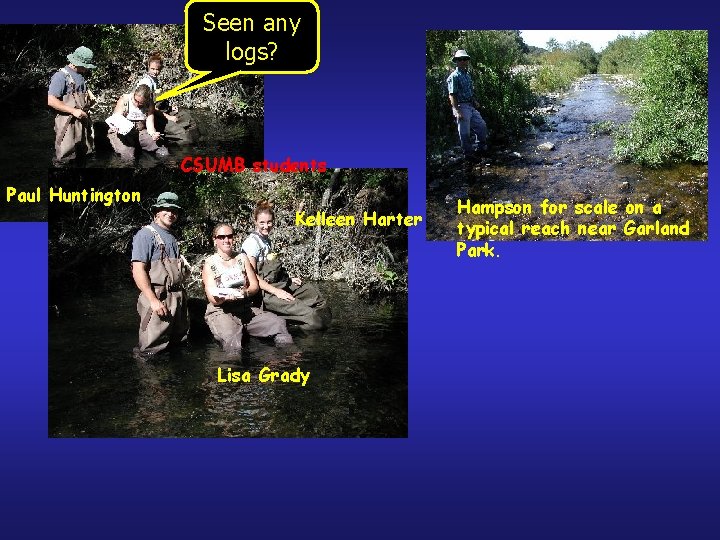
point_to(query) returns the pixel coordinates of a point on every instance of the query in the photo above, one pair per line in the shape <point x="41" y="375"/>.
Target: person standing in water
<point x="71" y="99"/>
<point x="160" y="271"/>
<point x="465" y="107"/>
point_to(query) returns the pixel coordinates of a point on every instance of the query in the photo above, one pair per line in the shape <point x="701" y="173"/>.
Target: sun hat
<point x="166" y="200"/>
<point x="462" y="53"/>
<point x="82" y="56"/>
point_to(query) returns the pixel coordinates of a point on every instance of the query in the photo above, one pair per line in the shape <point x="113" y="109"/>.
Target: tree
<point x="552" y="44"/>
<point x="671" y="122"/>
<point x="623" y="55"/>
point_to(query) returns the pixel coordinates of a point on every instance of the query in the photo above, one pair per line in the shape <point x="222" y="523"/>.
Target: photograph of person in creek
<point x="68" y="98"/>
<point x="240" y="370"/>
<point x="579" y="135"/>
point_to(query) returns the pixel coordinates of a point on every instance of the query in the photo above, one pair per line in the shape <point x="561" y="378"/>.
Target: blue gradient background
<point x="572" y="392"/>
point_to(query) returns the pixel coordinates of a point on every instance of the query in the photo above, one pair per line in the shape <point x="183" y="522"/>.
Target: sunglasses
<point x="224" y="236"/>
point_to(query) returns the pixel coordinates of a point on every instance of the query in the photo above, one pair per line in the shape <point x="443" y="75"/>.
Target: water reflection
<point x="357" y="384"/>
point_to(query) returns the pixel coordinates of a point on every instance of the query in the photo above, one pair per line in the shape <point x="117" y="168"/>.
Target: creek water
<point x="579" y="170"/>
<point x="357" y="384"/>
<point x="28" y="151"/>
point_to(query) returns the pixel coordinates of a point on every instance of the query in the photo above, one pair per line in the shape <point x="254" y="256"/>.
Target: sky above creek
<point x="598" y="39"/>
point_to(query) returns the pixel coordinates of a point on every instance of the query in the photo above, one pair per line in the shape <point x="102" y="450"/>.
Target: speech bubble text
<point x="226" y="38"/>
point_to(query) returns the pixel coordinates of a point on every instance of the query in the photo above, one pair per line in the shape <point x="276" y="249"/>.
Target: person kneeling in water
<point x="290" y="297"/>
<point x="138" y="108"/>
<point x="229" y="282"/>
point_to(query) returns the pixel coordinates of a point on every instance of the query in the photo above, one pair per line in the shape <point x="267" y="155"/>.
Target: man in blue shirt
<point x="159" y="271"/>
<point x="464" y="106"/>
<point x="69" y="96"/>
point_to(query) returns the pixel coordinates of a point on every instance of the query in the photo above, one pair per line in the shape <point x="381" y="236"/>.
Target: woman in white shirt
<point x="139" y="109"/>
<point x="290" y="297"/>
<point x="178" y="127"/>
<point x="229" y="281"/>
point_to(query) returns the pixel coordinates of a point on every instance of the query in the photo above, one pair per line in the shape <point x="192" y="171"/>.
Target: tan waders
<point x="139" y="137"/>
<point x="73" y="137"/>
<point x="228" y="322"/>
<point x="157" y="333"/>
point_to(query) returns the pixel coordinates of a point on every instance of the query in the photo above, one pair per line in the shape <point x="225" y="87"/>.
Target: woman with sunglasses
<point x="291" y="298"/>
<point x="229" y="281"/>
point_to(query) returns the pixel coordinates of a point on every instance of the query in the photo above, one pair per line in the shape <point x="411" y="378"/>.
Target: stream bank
<point x="568" y="160"/>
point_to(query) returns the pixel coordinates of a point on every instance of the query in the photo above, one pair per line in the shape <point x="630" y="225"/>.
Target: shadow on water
<point x="357" y="384"/>
<point x="28" y="151"/>
<point x="579" y="170"/>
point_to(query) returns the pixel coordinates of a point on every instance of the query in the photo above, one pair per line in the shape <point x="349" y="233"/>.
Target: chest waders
<point x="182" y="131"/>
<point x="166" y="278"/>
<point x="230" y="321"/>
<point x="309" y="309"/>
<point x="125" y="144"/>
<point x="73" y="137"/>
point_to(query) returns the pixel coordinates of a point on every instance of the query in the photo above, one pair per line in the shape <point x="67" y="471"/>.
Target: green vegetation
<point x="671" y="121"/>
<point x="665" y="73"/>
<point x="556" y="77"/>
<point x="89" y="238"/>
<point x="606" y="127"/>
<point x="622" y="56"/>
<point x="562" y="64"/>
<point x="504" y="95"/>
<point x="504" y="90"/>
<point x="388" y="277"/>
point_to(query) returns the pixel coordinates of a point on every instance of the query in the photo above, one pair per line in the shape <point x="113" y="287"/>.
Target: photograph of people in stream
<point x="186" y="305"/>
<point x="86" y="96"/>
<point x="566" y="135"/>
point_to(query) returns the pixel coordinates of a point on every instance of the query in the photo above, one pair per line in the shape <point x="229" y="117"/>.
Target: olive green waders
<point x="184" y="131"/>
<point x="309" y="309"/>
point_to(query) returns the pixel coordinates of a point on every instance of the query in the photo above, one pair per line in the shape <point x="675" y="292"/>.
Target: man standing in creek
<point x="159" y="271"/>
<point x="464" y="107"/>
<point x="69" y="96"/>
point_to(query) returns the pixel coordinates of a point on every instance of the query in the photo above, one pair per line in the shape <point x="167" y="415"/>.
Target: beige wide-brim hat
<point x="462" y="53"/>
<point x="82" y="56"/>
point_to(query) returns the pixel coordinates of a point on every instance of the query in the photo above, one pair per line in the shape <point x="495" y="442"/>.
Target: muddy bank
<point x="568" y="160"/>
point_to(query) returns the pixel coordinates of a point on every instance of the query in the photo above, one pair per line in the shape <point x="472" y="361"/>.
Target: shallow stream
<point x="357" y="384"/>
<point x="578" y="170"/>
<point x="27" y="153"/>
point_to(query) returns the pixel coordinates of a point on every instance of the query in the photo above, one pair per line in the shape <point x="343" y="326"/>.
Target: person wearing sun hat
<point x="159" y="271"/>
<point x="470" y="123"/>
<point x="69" y="96"/>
